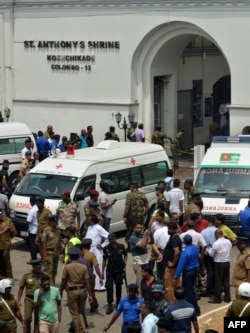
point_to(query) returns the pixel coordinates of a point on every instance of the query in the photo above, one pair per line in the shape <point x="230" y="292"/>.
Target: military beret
<point x="74" y="250"/>
<point x="86" y="241"/>
<point x="93" y="203"/>
<point x="53" y="218"/>
<point x="35" y="262"/>
<point x="112" y="236"/>
<point x="111" y="128"/>
<point x="189" y="181"/>
<point x="93" y="193"/>
<point x="66" y="192"/>
<point x="241" y="240"/>
<point x="133" y="286"/>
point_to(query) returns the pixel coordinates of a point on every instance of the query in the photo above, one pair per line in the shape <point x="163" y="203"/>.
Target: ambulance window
<point x="12" y="145"/>
<point x="154" y="172"/>
<point x="86" y="184"/>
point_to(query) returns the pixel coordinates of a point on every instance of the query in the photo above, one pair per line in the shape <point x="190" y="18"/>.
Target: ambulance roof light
<point x="233" y="139"/>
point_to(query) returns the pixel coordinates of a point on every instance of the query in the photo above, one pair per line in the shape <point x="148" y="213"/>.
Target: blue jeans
<point x="188" y="283"/>
<point x="106" y="224"/>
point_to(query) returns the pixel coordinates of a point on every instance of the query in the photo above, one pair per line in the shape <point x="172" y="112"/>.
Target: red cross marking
<point x="58" y="166"/>
<point x="132" y="161"/>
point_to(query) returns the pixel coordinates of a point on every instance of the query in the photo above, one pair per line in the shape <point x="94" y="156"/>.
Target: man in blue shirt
<point x="188" y="266"/>
<point x="181" y="314"/>
<point x="42" y="146"/>
<point x="245" y="222"/>
<point x="130" y="306"/>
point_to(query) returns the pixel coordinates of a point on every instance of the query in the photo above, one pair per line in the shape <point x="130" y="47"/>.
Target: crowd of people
<point x="176" y="258"/>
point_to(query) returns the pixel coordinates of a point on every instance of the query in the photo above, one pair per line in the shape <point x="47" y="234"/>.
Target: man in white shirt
<point x="27" y="147"/>
<point x="220" y="251"/>
<point x="176" y="199"/>
<point x="32" y="230"/>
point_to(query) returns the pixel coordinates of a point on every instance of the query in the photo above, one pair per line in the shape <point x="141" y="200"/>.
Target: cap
<point x="86" y="241"/>
<point x="133" y="182"/>
<point x="196" y="194"/>
<point x="1" y="211"/>
<point x="158" y="288"/>
<point x="74" y="250"/>
<point x="241" y="240"/>
<point x="187" y="239"/>
<point x="53" y="218"/>
<point x="35" y="262"/>
<point x="93" y="204"/>
<point x="189" y="181"/>
<point x="160" y="188"/>
<point x="93" y="193"/>
<point x="133" y="286"/>
<point x="40" y="200"/>
<point x="66" y="192"/>
<point x="28" y="153"/>
<point x="112" y="236"/>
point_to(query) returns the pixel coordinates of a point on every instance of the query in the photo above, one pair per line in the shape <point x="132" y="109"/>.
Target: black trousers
<point x="222" y="278"/>
<point x="33" y="246"/>
<point x="209" y="264"/>
<point x="111" y="279"/>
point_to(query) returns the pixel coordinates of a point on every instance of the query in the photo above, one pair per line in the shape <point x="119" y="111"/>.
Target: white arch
<point x="144" y="55"/>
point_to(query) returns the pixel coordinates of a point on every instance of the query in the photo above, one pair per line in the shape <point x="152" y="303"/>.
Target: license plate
<point x="24" y="233"/>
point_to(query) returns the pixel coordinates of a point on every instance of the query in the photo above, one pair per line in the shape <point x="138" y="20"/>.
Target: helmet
<point x="5" y="283"/>
<point x="106" y="182"/>
<point x="244" y="289"/>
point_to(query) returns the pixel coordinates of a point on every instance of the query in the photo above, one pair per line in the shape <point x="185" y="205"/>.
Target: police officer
<point x="7" y="232"/>
<point x="74" y="278"/>
<point x="195" y="205"/>
<point x="43" y="214"/>
<point x="51" y="240"/>
<point x="189" y="187"/>
<point x="159" y="192"/>
<point x="30" y="282"/>
<point x="136" y="208"/>
<point x="68" y="212"/>
<point x="242" y="265"/>
<point x="241" y="306"/>
<point x="115" y="258"/>
<point x="9" y="307"/>
<point x="158" y="137"/>
<point x="72" y="241"/>
<point x="91" y="258"/>
<point x="130" y="306"/>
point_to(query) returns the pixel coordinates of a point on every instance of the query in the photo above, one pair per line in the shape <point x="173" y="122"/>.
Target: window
<point x="12" y="145"/>
<point x="86" y="184"/>
<point x="145" y="175"/>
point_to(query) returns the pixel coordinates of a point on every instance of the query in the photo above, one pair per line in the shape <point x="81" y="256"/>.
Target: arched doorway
<point x="168" y="64"/>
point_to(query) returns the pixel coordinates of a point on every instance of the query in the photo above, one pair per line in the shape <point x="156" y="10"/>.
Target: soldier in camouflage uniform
<point x="159" y="192"/>
<point x="114" y="136"/>
<point x="136" y="208"/>
<point x="68" y="212"/>
<point x="30" y="282"/>
<point x="158" y="137"/>
<point x="189" y="186"/>
<point x="176" y="146"/>
<point x="131" y="131"/>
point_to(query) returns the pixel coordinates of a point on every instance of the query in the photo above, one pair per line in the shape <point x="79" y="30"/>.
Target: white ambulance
<point x="82" y="170"/>
<point x="224" y="178"/>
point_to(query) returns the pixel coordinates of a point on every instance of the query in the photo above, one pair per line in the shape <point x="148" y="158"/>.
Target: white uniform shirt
<point x="197" y="239"/>
<point x="174" y="197"/>
<point x="220" y="250"/>
<point x="32" y="220"/>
